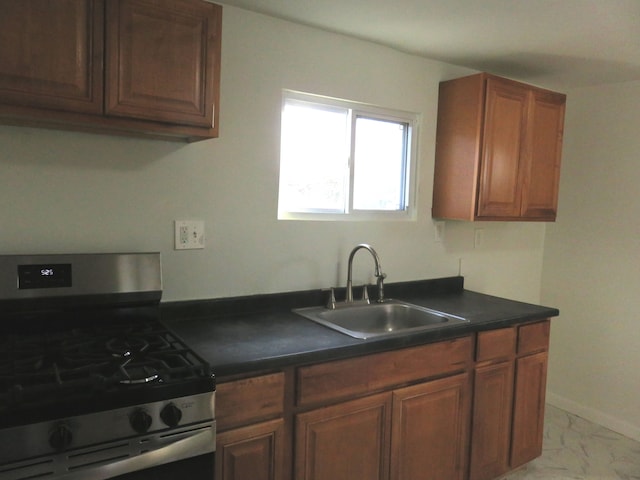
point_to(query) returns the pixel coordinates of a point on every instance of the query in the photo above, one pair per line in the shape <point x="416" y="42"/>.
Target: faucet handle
<point x="331" y="304"/>
<point x="365" y="294"/>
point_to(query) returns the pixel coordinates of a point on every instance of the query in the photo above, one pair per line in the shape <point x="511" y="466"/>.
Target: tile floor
<point x="576" y="449"/>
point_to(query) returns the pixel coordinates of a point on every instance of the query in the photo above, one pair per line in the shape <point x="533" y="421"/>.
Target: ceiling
<point x="564" y="43"/>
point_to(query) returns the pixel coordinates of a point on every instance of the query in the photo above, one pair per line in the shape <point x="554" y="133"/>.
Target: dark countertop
<point x="255" y="333"/>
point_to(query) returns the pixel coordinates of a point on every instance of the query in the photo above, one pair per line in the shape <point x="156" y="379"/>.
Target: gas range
<point x="92" y="383"/>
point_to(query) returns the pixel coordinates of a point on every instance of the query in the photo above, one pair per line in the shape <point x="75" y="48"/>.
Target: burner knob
<point x="171" y="415"/>
<point x="60" y="437"/>
<point x="140" y="421"/>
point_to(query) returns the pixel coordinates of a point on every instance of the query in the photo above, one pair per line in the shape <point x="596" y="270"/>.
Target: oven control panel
<point x="128" y="431"/>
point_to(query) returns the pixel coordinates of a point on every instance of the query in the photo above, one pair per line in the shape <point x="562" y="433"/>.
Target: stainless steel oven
<point x="92" y="384"/>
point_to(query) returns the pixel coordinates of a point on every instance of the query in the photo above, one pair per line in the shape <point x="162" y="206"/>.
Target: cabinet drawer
<point x="356" y="376"/>
<point x="496" y="344"/>
<point x="533" y="337"/>
<point x="249" y="400"/>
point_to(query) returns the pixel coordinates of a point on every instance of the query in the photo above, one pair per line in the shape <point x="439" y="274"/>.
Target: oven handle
<point x="198" y="444"/>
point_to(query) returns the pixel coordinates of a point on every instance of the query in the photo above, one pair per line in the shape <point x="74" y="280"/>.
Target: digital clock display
<point x="44" y="276"/>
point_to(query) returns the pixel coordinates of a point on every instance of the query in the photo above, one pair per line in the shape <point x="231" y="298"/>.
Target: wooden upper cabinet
<point x="498" y="150"/>
<point x="162" y="60"/>
<point x="147" y="67"/>
<point x="542" y="169"/>
<point x="51" y="54"/>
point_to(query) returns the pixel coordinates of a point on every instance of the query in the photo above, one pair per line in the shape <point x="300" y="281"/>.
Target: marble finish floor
<point x="576" y="449"/>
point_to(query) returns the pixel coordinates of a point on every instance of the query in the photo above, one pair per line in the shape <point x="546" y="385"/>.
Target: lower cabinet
<point x="528" y="410"/>
<point x="430" y="430"/>
<point x="416" y="432"/>
<point x="251" y="438"/>
<point x="509" y="399"/>
<point x="346" y="441"/>
<point x="254" y="452"/>
<point x="466" y="408"/>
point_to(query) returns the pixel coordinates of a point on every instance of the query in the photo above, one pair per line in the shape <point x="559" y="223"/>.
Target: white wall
<point x="591" y="260"/>
<point x="76" y="192"/>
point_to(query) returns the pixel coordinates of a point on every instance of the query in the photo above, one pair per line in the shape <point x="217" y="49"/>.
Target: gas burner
<point x="127" y="347"/>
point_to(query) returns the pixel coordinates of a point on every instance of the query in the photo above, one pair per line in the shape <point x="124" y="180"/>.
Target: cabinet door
<point x="251" y="453"/>
<point x="491" y="427"/>
<point x="544" y="151"/>
<point x="347" y="441"/>
<point x="429" y="440"/>
<point x="528" y="408"/>
<point x="51" y="54"/>
<point x="163" y="59"/>
<point x="499" y="193"/>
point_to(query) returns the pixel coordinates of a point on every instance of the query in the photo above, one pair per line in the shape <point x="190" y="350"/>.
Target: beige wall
<point x="592" y="260"/>
<point x="73" y="192"/>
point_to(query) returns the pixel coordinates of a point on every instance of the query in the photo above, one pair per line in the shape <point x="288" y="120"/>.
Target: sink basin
<point x="379" y="319"/>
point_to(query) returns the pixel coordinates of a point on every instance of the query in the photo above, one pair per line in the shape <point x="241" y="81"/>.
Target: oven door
<point x="196" y="468"/>
<point x="190" y="458"/>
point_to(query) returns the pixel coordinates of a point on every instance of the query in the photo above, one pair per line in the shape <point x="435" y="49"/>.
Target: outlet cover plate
<point x="189" y="234"/>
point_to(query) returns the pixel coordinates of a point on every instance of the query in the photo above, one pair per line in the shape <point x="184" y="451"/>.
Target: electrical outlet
<point x="189" y="234"/>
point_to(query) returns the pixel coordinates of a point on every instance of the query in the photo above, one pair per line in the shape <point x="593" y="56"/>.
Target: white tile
<point x="576" y="449"/>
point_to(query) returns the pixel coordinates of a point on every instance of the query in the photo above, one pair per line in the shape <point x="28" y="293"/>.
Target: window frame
<point x="356" y="110"/>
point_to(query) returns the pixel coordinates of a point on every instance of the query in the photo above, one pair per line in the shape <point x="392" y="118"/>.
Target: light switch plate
<point x="189" y="234"/>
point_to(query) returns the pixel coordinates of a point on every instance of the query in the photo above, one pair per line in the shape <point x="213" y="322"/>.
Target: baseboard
<point x="595" y="416"/>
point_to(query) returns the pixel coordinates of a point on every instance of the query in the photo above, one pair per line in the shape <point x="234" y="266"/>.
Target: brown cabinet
<point x="405" y="432"/>
<point x="509" y="393"/>
<point x="250" y="444"/>
<point x="345" y="441"/>
<point x="465" y="408"/>
<point x="498" y="150"/>
<point x="148" y="67"/>
<point x="429" y="438"/>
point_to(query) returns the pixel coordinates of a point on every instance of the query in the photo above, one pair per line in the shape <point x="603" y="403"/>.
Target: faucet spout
<point x="378" y="272"/>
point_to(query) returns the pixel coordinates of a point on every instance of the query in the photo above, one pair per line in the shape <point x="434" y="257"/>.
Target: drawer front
<point x="496" y="344"/>
<point x="533" y="337"/>
<point x="249" y="400"/>
<point x="357" y="376"/>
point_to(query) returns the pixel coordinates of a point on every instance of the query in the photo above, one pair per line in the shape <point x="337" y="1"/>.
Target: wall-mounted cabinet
<point x="146" y="67"/>
<point x="498" y="150"/>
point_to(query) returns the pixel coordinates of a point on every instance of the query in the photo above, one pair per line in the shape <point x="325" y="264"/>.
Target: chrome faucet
<point x="378" y="273"/>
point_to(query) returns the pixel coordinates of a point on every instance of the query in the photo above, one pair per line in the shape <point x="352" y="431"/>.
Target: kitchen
<point x="77" y="192"/>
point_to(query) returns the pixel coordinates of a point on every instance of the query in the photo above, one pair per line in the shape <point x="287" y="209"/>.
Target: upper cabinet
<point x="498" y="150"/>
<point x="148" y="67"/>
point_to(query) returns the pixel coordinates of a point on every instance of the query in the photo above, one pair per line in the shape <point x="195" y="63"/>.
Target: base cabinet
<point x="528" y="413"/>
<point x="430" y="430"/>
<point x="251" y="442"/>
<point x="345" y="441"/>
<point x="254" y="452"/>
<point x="465" y="408"/>
<point x="492" y="407"/>
<point x="509" y="396"/>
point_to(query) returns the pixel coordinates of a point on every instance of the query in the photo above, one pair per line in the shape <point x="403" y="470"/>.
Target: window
<point x="342" y="160"/>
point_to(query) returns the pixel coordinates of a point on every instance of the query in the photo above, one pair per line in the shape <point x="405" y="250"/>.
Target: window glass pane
<point x="379" y="164"/>
<point x="313" y="157"/>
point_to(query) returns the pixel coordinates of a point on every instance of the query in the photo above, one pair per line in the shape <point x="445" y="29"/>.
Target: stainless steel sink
<point x="392" y="317"/>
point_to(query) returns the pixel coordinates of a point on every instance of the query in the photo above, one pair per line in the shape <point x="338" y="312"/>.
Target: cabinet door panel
<point x="51" y="54"/>
<point x="163" y="60"/>
<point x="544" y="151"/>
<point x="505" y="121"/>
<point x="344" y="442"/>
<point x="251" y="453"/>
<point x="491" y="428"/>
<point x="429" y="440"/>
<point x="528" y="408"/>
